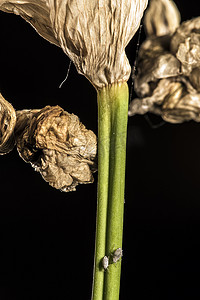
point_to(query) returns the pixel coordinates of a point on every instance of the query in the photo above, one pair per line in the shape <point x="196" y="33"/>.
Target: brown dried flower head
<point x="56" y="144"/>
<point x="168" y="79"/>
<point x="92" y="33"/>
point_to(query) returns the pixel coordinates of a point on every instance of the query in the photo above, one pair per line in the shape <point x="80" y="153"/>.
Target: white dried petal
<point x="161" y="18"/>
<point x="92" y="33"/>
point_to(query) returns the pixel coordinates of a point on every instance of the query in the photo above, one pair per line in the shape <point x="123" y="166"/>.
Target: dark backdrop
<point x="47" y="237"/>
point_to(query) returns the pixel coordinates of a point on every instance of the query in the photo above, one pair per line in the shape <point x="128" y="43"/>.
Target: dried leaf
<point x="93" y="34"/>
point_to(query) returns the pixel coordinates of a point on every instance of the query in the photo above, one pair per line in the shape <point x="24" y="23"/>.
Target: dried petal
<point x="161" y="18"/>
<point x="194" y="78"/>
<point x="171" y="100"/>
<point x="36" y="12"/>
<point x="57" y="145"/>
<point x="155" y="62"/>
<point x="93" y="34"/>
<point x="185" y="44"/>
<point x="7" y="125"/>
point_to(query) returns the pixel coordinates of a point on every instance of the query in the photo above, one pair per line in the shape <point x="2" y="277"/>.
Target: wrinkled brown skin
<point x="168" y="79"/>
<point x="55" y="142"/>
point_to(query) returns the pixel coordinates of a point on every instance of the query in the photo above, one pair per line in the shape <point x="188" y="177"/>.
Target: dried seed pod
<point x="7" y="125"/>
<point x="168" y="79"/>
<point x="57" y="145"/>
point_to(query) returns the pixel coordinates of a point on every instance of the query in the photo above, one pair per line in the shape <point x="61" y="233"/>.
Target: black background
<point x="47" y="237"/>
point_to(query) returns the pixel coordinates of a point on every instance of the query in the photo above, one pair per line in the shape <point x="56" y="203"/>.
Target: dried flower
<point x="55" y="142"/>
<point x="168" y="79"/>
<point x="93" y="34"/>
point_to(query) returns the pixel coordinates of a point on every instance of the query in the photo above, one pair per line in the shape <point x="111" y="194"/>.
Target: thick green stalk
<point x="112" y="129"/>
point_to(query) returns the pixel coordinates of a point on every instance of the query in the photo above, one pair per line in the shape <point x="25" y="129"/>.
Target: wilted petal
<point x="185" y="44"/>
<point x="171" y="100"/>
<point x="93" y="34"/>
<point x="36" y="12"/>
<point x="154" y="62"/>
<point x="161" y="18"/>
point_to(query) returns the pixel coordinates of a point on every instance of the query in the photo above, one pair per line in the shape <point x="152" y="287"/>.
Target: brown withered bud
<point x="55" y="142"/>
<point x="168" y="79"/>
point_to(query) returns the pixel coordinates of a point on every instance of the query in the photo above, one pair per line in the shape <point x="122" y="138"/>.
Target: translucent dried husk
<point x="93" y="34"/>
<point x="56" y="144"/>
<point x="168" y="79"/>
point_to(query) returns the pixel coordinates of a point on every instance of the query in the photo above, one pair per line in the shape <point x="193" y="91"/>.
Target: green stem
<point x="112" y="129"/>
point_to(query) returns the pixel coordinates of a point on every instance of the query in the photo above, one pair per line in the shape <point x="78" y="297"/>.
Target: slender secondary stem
<point x="112" y="129"/>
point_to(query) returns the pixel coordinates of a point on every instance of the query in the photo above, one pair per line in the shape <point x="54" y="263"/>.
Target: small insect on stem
<point x="117" y="254"/>
<point x="105" y="262"/>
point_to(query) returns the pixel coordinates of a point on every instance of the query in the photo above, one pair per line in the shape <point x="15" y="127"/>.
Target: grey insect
<point x="117" y="254"/>
<point x="105" y="262"/>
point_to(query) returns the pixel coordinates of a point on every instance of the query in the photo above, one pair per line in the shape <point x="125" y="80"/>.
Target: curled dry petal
<point x="93" y="34"/>
<point x="7" y="125"/>
<point x="55" y="142"/>
<point x="168" y="79"/>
